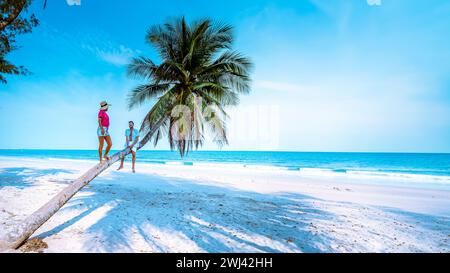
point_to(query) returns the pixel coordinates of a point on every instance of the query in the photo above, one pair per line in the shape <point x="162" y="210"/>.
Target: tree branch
<point x="13" y="15"/>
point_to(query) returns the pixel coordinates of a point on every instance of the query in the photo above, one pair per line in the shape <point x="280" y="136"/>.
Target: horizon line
<point x="271" y="151"/>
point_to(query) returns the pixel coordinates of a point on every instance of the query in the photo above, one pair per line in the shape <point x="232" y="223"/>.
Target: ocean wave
<point x="185" y="163"/>
<point x="325" y="172"/>
<point x="266" y="167"/>
<point x="244" y="166"/>
<point x="374" y="174"/>
<point x="396" y="175"/>
<point x="218" y="165"/>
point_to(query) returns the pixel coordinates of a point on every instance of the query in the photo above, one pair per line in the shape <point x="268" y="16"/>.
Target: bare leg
<point x="121" y="163"/>
<point x="108" y="147"/>
<point x="101" y="140"/>
<point x="133" y="159"/>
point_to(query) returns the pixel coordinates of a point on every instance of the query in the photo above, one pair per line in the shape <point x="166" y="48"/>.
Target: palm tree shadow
<point x="23" y="177"/>
<point x="161" y="214"/>
<point x="205" y="217"/>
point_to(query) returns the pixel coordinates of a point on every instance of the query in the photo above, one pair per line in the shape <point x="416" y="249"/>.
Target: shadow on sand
<point x="210" y="218"/>
<point x="21" y="177"/>
<point x="170" y="214"/>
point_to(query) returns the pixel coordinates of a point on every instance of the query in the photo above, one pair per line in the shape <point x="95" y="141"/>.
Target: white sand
<point x="174" y="208"/>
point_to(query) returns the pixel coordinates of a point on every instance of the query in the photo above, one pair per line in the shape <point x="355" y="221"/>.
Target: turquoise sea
<point x="419" y="165"/>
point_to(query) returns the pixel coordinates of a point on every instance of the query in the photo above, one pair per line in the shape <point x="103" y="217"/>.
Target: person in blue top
<point x="131" y="140"/>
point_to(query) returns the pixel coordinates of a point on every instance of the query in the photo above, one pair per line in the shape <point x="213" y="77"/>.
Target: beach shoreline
<point x="179" y="208"/>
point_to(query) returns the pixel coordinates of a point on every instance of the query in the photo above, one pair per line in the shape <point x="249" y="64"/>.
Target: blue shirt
<point x="134" y="136"/>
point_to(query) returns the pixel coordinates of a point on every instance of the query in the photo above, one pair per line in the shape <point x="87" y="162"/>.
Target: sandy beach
<point x="208" y="208"/>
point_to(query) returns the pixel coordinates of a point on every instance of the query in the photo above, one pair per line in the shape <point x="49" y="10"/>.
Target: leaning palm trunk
<point x="22" y="232"/>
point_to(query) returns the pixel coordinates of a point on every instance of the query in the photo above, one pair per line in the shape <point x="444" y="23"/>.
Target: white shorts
<point x="134" y="147"/>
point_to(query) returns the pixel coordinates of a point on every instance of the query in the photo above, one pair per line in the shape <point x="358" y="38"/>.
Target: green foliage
<point x="199" y="74"/>
<point x="13" y="23"/>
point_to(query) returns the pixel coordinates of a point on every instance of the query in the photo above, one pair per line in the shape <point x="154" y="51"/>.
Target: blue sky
<point x="330" y="75"/>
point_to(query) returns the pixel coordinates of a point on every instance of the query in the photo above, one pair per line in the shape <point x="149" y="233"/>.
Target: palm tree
<point x="198" y="76"/>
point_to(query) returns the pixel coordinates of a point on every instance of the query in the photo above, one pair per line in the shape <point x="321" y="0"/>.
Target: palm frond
<point x="144" y="92"/>
<point x="198" y="76"/>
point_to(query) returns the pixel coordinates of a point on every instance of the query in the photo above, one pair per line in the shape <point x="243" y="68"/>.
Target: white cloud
<point x="374" y="2"/>
<point x="280" y="86"/>
<point x="73" y="2"/>
<point x="94" y="43"/>
<point x="118" y="56"/>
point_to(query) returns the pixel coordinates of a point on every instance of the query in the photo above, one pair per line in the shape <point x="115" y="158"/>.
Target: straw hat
<point x="104" y="105"/>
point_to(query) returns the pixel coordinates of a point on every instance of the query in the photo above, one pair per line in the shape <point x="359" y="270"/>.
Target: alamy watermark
<point x="257" y="125"/>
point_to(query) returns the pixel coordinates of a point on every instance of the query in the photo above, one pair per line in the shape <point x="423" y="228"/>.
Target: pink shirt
<point x="105" y="118"/>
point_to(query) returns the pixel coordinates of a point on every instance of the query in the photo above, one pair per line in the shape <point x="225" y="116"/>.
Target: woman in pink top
<point x="102" y="131"/>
